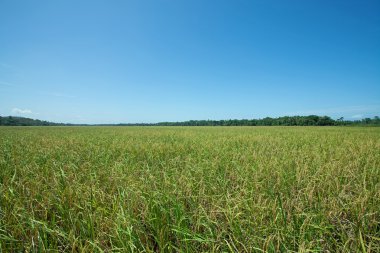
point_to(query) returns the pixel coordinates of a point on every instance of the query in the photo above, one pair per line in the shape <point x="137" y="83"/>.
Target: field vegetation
<point x="190" y="189"/>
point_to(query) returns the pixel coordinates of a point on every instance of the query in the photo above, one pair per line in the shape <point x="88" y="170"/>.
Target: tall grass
<point x="171" y="189"/>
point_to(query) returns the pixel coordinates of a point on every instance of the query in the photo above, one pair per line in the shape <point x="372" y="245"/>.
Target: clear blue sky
<point x="149" y="61"/>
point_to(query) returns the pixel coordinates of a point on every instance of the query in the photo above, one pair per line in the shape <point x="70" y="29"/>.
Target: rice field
<point x="189" y="189"/>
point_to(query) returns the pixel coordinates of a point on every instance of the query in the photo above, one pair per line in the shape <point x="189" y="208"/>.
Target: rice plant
<point x="189" y="189"/>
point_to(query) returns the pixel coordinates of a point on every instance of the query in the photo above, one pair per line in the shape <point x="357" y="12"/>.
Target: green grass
<point x="189" y="189"/>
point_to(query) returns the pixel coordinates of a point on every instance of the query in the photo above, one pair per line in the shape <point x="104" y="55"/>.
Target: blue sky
<point x="149" y="61"/>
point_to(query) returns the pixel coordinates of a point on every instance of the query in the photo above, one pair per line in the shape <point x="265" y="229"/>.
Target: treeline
<point x="311" y="120"/>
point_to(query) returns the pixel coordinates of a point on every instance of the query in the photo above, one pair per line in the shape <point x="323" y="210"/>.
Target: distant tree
<point x="366" y="121"/>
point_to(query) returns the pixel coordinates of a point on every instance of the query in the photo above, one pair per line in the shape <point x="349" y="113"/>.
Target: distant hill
<point x="21" y="121"/>
<point x="311" y="120"/>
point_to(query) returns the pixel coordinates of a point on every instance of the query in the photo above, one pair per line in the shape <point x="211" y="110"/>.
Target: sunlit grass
<point x="195" y="189"/>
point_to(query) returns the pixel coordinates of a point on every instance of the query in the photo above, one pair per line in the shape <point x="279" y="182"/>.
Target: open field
<point x="190" y="189"/>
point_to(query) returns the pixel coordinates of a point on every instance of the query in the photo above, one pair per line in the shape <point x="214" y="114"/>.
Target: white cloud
<point x="357" y="116"/>
<point x="21" y="111"/>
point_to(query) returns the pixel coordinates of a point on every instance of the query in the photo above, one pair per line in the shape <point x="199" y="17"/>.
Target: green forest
<point x="311" y="120"/>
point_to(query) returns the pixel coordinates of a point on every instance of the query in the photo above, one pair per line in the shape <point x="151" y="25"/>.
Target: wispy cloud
<point x="21" y="111"/>
<point x="62" y="95"/>
<point x="5" y="65"/>
<point x="7" y="84"/>
<point x="357" y="116"/>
